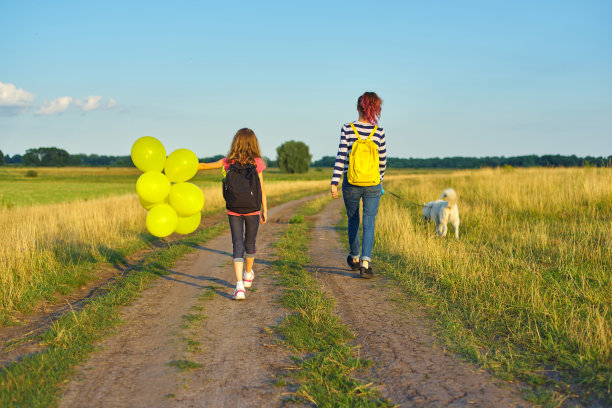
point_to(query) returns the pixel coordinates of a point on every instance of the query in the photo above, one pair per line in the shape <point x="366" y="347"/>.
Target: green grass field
<point x="525" y="291"/>
<point x="56" y="185"/>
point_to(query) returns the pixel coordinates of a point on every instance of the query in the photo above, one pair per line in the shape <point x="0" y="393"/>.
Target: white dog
<point x="443" y="211"/>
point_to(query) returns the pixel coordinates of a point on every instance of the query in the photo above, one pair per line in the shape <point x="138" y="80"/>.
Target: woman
<point x="369" y="109"/>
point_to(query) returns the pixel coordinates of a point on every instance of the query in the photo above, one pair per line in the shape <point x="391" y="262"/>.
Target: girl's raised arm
<point x="209" y="166"/>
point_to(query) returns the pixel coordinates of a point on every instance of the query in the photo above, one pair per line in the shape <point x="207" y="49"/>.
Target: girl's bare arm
<point x="209" y="166"/>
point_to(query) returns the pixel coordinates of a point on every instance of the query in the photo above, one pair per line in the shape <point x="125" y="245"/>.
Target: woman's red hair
<point x="369" y="107"/>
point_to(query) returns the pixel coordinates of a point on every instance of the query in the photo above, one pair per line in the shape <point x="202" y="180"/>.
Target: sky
<point x="469" y="78"/>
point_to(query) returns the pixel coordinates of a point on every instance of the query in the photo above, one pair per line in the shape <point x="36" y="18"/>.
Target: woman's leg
<point x="351" y="195"/>
<point x="237" y="229"/>
<point x="371" y="199"/>
<point x="251" y="226"/>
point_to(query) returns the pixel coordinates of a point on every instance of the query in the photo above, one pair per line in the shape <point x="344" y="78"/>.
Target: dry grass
<point x="46" y="248"/>
<point x="531" y="273"/>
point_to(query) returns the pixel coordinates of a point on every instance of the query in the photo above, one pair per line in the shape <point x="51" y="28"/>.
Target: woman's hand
<point x="263" y="217"/>
<point x="334" y="191"/>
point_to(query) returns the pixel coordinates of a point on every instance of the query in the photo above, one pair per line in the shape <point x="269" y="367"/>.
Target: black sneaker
<point x="353" y="265"/>
<point x="366" y="273"/>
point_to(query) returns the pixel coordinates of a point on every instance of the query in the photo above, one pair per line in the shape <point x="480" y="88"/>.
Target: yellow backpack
<point x="363" y="161"/>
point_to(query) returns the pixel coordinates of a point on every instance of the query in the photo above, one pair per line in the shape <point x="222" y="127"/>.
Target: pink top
<point x="260" y="166"/>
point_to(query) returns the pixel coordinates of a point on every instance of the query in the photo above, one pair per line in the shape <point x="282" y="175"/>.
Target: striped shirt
<point x="348" y="137"/>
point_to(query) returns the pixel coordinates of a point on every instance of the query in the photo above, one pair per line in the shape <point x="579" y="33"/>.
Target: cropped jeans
<point x="244" y="231"/>
<point x="371" y="198"/>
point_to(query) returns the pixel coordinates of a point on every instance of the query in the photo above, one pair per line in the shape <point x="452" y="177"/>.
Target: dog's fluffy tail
<point x="451" y="195"/>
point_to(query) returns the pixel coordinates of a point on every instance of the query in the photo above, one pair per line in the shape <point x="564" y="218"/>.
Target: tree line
<point x="460" y="162"/>
<point x="55" y="157"/>
<point x="294" y="157"/>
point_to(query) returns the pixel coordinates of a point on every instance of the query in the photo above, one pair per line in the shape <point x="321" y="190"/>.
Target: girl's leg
<point x="238" y="266"/>
<point x="237" y="229"/>
<point x="249" y="264"/>
<point x="351" y="195"/>
<point x="251" y="226"/>
<point x="371" y="199"/>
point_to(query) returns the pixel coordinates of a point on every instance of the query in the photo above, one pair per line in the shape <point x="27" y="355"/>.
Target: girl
<point x="369" y="109"/>
<point x="244" y="151"/>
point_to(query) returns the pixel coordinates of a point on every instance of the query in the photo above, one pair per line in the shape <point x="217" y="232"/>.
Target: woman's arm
<point x="382" y="156"/>
<point x="340" y="163"/>
<point x="210" y="166"/>
<point x="340" y="158"/>
<point x="264" y="202"/>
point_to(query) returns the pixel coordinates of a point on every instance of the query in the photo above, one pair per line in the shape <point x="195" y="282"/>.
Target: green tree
<point x="293" y="157"/>
<point x="325" y="161"/>
<point x="31" y="158"/>
<point x="46" y="156"/>
<point x="75" y="160"/>
<point x="1" y="158"/>
<point x="122" y="161"/>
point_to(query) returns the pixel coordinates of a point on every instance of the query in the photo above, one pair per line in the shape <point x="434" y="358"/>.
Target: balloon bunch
<point x="173" y="204"/>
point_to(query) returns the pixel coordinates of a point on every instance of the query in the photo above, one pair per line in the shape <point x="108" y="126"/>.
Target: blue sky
<point x="471" y="78"/>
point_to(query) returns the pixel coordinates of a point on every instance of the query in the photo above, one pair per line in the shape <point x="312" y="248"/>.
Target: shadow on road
<point x="332" y="270"/>
<point x="203" y="278"/>
<point x="229" y="254"/>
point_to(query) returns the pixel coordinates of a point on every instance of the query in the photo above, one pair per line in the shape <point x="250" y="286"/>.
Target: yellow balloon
<point x="186" y="199"/>
<point x="186" y="225"/>
<point x="181" y="165"/>
<point x="161" y="220"/>
<point x="148" y="154"/>
<point x="147" y="205"/>
<point x="153" y="187"/>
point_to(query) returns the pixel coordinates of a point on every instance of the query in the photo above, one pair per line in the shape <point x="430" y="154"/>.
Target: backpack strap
<point x="359" y="136"/>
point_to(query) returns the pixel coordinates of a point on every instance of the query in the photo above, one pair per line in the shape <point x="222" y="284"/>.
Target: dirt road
<point x="238" y="358"/>
<point x="237" y="365"/>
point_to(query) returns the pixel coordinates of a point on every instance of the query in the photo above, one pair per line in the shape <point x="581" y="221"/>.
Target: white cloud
<point x="89" y="103"/>
<point x="14" y="100"/>
<point x="10" y="95"/>
<point x="94" y="102"/>
<point x="57" y="105"/>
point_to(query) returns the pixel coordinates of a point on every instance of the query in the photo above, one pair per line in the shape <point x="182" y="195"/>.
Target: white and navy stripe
<point x="348" y="137"/>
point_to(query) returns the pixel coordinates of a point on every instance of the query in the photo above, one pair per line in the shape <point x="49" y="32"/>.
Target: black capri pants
<point x="244" y="231"/>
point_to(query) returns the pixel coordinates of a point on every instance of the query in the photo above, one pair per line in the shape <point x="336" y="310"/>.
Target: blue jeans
<point x="371" y="198"/>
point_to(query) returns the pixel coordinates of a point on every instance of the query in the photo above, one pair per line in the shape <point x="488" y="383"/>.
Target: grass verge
<point x="192" y="323"/>
<point x="323" y="371"/>
<point x="184" y="365"/>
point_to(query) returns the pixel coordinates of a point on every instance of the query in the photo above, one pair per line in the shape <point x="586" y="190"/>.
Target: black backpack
<point x="242" y="189"/>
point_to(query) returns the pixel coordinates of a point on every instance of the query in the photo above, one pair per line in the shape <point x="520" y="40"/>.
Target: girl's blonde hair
<point x="245" y="147"/>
